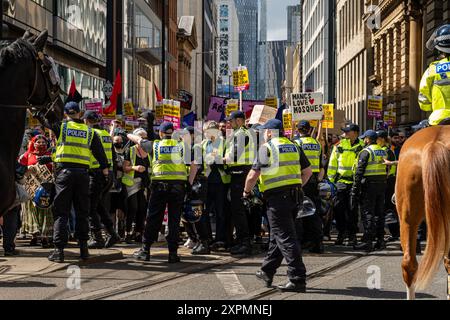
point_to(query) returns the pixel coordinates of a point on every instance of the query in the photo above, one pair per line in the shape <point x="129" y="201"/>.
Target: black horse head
<point x="27" y="81"/>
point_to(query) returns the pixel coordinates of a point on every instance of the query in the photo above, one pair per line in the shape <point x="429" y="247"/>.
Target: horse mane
<point x="15" y="52"/>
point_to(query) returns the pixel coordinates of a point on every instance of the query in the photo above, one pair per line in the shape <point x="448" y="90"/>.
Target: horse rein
<point x="40" y="61"/>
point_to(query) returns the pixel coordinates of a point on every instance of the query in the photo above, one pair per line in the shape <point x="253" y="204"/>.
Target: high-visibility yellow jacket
<point x="208" y="159"/>
<point x="284" y="165"/>
<point x="434" y="92"/>
<point x="74" y="143"/>
<point x="342" y="159"/>
<point x="375" y="166"/>
<point x="128" y="178"/>
<point x="167" y="161"/>
<point x="107" y="146"/>
<point x="312" y="149"/>
<point x="246" y="153"/>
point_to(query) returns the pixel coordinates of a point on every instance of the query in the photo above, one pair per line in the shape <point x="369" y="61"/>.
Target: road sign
<point x="240" y="79"/>
<point x="307" y="106"/>
<point x="108" y="89"/>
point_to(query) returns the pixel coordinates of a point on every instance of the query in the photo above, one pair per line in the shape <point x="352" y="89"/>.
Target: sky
<point x="277" y="18"/>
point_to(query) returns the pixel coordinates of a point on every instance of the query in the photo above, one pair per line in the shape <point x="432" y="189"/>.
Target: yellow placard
<point x="328" y="122"/>
<point x="271" y="102"/>
<point x="232" y="105"/>
<point x="287" y="121"/>
<point x="159" y="112"/>
<point x="129" y="109"/>
<point x="240" y="78"/>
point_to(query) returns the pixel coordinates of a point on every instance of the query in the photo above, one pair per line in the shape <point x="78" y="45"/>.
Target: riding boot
<point x="97" y="241"/>
<point x="84" y="251"/>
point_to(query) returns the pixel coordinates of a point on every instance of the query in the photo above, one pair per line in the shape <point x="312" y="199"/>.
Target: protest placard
<point x="307" y="106"/>
<point x="94" y="105"/>
<point x="240" y="79"/>
<point x="261" y="114"/>
<point x="232" y="105"/>
<point x="271" y="102"/>
<point x="375" y="106"/>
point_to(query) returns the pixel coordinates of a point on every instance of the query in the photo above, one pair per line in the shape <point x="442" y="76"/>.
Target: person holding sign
<point x="239" y="159"/>
<point x="313" y="231"/>
<point x="282" y="168"/>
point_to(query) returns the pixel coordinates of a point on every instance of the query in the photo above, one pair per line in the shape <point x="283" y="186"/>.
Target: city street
<point x="339" y="274"/>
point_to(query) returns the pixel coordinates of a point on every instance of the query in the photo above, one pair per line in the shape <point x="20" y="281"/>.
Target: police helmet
<point x="308" y="209"/>
<point x="442" y="40"/>
<point x="43" y="196"/>
<point x="192" y="211"/>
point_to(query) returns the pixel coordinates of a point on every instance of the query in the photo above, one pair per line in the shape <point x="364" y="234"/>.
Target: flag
<point x="74" y="95"/>
<point x="159" y="97"/>
<point x="117" y="90"/>
<point x="188" y="120"/>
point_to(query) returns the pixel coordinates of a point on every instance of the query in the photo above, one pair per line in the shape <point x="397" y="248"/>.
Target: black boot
<point x="203" y="248"/>
<point x="112" y="239"/>
<point x="364" y="246"/>
<point x="352" y="241"/>
<point x="245" y="248"/>
<point x="317" y="248"/>
<point x="97" y="241"/>
<point x="380" y="245"/>
<point x="173" y="257"/>
<point x="57" y="255"/>
<point x="340" y="240"/>
<point x="143" y="254"/>
<point x="84" y="250"/>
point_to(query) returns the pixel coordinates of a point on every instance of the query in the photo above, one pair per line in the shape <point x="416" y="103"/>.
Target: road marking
<point x="231" y="283"/>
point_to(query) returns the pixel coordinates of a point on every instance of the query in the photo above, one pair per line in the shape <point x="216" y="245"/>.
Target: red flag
<point x="117" y="90"/>
<point x="74" y="95"/>
<point x="159" y="97"/>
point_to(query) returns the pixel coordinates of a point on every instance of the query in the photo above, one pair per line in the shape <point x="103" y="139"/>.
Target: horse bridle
<point x="46" y="66"/>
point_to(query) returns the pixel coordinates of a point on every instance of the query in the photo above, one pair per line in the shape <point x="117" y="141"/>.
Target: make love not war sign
<point x="307" y="106"/>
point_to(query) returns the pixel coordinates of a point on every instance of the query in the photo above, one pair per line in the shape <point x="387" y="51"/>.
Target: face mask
<point x="118" y="145"/>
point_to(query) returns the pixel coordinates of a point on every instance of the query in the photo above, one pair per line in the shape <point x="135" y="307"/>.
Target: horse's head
<point x="32" y="76"/>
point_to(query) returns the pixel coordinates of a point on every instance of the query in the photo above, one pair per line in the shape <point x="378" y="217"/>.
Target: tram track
<point x="173" y="278"/>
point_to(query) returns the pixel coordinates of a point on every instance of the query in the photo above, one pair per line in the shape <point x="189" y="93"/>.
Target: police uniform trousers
<point x="312" y="225"/>
<point x="372" y="209"/>
<point x="203" y="226"/>
<point x="238" y="211"/>
<point x="346" y="219"/>
<point x="216" y="200"/>
<point x="281" y="213"/>
<point x="98" y="192"/>
<point x="72" y="187"/>
<point x="170" y="194"/>
<point x="11" y="221"/>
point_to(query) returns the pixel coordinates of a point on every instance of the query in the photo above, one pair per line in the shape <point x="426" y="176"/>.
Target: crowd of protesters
<point x="127" y="205"/>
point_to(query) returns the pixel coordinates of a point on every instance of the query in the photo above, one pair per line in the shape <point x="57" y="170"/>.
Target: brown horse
<point x="423" y="191"/>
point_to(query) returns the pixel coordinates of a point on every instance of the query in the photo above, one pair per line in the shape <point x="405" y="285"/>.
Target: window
<point x="224" y="11"/>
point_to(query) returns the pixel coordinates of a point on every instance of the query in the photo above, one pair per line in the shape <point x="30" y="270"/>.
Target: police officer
<point x="281" y="175"/>
<point x="389" y="207"/>
<point x="340" y="172"/>
<point x="434" y="92"/>
<point x="312" y="225"/>
<point x="239" y="158"/>
<point x="369" y="189"/>
<point x="99" y="188"/>
<point x="75" y="143"/>
<point x="169" y="178"/>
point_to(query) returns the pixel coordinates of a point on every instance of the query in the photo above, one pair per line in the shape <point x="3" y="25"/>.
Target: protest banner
<point x="171" y="112"/>
<point x="375" y="106"/>
<point x="261" y="114"/>
<point x="328" y="121"/>
<point x="390" y="118"/>
<point x="217" y="107"/>
<point x="128" y="108"/>
<point x="307" y="106"/>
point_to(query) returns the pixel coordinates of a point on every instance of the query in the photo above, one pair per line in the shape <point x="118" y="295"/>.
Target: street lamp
<point x="196" y="68"/>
